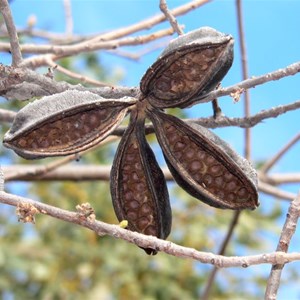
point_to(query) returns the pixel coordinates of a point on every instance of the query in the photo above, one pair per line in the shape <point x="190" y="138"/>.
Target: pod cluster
<point x="200" y="162"/>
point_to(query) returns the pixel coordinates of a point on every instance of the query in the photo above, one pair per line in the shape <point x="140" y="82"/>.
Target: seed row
<point x="66" y="131"/>
<point x="184" y="74"/>
<point x="205" y="168"/>
<point x="138" y="204"/>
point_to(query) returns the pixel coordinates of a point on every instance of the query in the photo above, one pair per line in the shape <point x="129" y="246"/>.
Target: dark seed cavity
<point x="201" y="167"/>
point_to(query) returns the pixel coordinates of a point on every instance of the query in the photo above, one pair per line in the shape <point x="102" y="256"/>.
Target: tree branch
<point x="23" y="84"/>
<point x="211" y="122"/>
<point x="164" y="8"/>
<point x="60" y="51"/>
<point x="274" y="191"/>
<point x="145" y="241"/>
<point x="39" y="171"/>
<point x="288" y="231"/>
<point x="55" y="38"/>
<point x="282" y="178"/>
<point x="239" y="88"/>
<point x="81" y="78"/>
<point x="12" y="32"/>
<point x="13" y="85"/>
<point x="115" y="34"/>
<point x="150" y="22"/>
<point x="245" y="75"/>
<point x="6" y="116"/>
<point x="223" y="121"/>
<point x="68" y="17"/>
<point x="54" y="171"/>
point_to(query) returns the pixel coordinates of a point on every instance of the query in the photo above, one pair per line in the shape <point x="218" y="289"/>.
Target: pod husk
<point x="138" y="187"/>
<point x="64" y="123"/>
<point x="204" y="165"/>
<point x="191" y="66"/>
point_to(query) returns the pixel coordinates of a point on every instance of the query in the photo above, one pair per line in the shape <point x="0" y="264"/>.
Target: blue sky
<point x="272" y="38"/>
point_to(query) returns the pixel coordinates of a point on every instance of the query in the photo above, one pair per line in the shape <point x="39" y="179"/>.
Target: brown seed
<point x="190" y="67"/>
<point x="146" y="207"/>
<point x="217" y="176"/>
<point x="64" y="123"/>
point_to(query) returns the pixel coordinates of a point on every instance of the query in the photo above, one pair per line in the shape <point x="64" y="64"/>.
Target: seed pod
<point x="204" y="165"/>
<point x="191" y="66"/>
<point x="64" y="123"/>
<point x="138" y="187"/>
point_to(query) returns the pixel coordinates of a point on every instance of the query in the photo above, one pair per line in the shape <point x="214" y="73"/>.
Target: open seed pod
<point x="138" y="187"/>
<point x="191" y="66"/>
<point x="64" y="123"/>
<point x="204" y="165"/>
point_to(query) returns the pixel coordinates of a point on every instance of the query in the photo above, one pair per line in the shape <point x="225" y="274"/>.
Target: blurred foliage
<point x="57" y="260"/>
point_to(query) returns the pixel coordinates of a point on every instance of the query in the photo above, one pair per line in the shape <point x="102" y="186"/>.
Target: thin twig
<point x="100" y="172"/>
<point x="146" y="241"/>
<point x="280" y="178"/>
<point x="126" y="54"/>
<point x="150" y="22"/>
<point x="217" y="111"/>
<point x="147" y="24"/>
<point x="12" y="32"/>
<point x="164" y="8"/>
<point x="270" y="163"/>
<point x="137" y="55"/>
<point x="247" y="139"/>
<point x="245" y="75"/>
<point x="10" y="77"/>
<point x="287" y="233"/>
<point x="68" y="50"/>
<point x="52" y="37"/>
<point x="75" y="172"/>
<point x="223" y="121"/>
<point x="61" y="51"/>
<point x="6" y="116"/>
<point x="274" y="191"/>
<point x="68" y="17"/>
<point x="212" y="275"/>
<point x="93" y="172"/>
<point x="252" y="82"/>
<point x="41" y="170"/>
<point x="103" y="41"/>
<point x="74" y="75"/>
<point x="2" y="180"/>
<point x="23" y="84"/>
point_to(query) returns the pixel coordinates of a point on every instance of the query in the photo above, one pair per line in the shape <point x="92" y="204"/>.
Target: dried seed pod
<point x="138" y="187"/>
<point x="204" y="165"/>
<point x="64" y="123"/>
<point x="191" y="66"/>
